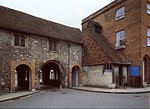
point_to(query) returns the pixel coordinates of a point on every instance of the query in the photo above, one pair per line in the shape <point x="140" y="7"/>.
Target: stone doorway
<point x="75" y="76"/>
<point x="22" y="66"/>
<point x="22" y="77"/>
<point x="146" y="69"/>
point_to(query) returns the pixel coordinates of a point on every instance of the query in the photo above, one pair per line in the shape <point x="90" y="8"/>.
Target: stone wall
<point x="36" y="50"/>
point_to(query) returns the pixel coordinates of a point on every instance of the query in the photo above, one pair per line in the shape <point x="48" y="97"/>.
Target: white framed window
<point x="148" y="37"/>
<point x="120" y="39"/>
<point x="120" y="13"/>
<point x="148" y="8"/>
<point x="107" y="67"/>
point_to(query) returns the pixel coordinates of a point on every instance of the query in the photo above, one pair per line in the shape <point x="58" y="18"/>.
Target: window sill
<point x="20" y="47"/>
<point x="52" y="51"/>
<point x="119" y="18"/>
<point x="108" y="71"/>
<point x="120" y="47"/>
<point x="148" y="14"/>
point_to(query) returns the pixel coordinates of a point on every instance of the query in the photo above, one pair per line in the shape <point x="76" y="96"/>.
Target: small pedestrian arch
<point x="18" y="67"/>
<point x="75" y="75"/>
<point x="22" y="77"/>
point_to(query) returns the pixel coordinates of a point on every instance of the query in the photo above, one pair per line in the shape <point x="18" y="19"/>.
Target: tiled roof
<point x="115" y="56"/>
<point x="22" y="22"/>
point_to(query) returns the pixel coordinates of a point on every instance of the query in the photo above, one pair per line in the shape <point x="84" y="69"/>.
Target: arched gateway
<point x="53" y="74"/>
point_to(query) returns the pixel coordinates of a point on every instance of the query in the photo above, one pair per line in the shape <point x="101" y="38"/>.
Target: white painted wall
<point x="96" y="77"/>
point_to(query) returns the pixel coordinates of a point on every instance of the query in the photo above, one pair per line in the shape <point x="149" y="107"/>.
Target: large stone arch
<point x="14" y="65"/>
<point x="56" y="66"/>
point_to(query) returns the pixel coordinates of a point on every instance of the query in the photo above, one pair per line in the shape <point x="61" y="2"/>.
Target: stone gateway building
<point x="35" y="51"/>
<point x="117" y="40"/>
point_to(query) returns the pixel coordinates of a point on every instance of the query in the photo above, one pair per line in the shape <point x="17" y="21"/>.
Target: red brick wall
<point x="145" y="22"/>
<point x="131" y="24"/>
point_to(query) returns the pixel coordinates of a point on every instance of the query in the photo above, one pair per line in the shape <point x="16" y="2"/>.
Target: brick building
<point x="34" y="51"/>
<point x="117" y="41"/>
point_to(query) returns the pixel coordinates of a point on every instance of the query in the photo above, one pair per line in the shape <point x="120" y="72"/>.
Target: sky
<point x="66" y="12"/>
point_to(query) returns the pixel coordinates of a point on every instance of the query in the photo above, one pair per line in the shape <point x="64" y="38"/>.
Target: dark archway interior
<point x="51" y="75"/>
<point x="23" y="77"/>
<point x="147" y="69"/>
<point x="75" y="76"/>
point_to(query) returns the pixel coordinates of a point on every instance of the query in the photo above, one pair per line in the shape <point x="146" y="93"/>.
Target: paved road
<point x="68" y="98"/>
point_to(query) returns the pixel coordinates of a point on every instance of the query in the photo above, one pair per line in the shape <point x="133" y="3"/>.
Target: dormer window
<point x="97" y="28"/>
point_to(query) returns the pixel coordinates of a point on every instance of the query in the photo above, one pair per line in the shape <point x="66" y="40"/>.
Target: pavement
<point x="17" y="95"/>
<point x="117" y="91"/>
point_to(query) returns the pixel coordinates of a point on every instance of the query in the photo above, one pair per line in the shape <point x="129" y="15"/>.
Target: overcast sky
<point x="67" y="12"/>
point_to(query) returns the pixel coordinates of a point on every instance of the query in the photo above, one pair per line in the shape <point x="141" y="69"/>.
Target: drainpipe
<point x="68" y="64"/>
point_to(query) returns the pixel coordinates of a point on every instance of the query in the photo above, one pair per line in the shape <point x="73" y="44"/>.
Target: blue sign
<point x="134" y="71"/>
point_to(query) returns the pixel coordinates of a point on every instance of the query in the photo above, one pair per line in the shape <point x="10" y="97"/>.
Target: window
<point x="52" y="45"/>
<point x="107" y="67"/>
<point x="120" y="39"/>
<point x="148" y="37"/>
<point x="19" y="40"/>
<point x="97" y="29"/>
<point x="120" y="13"/>
<point x="148" y="8"/>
